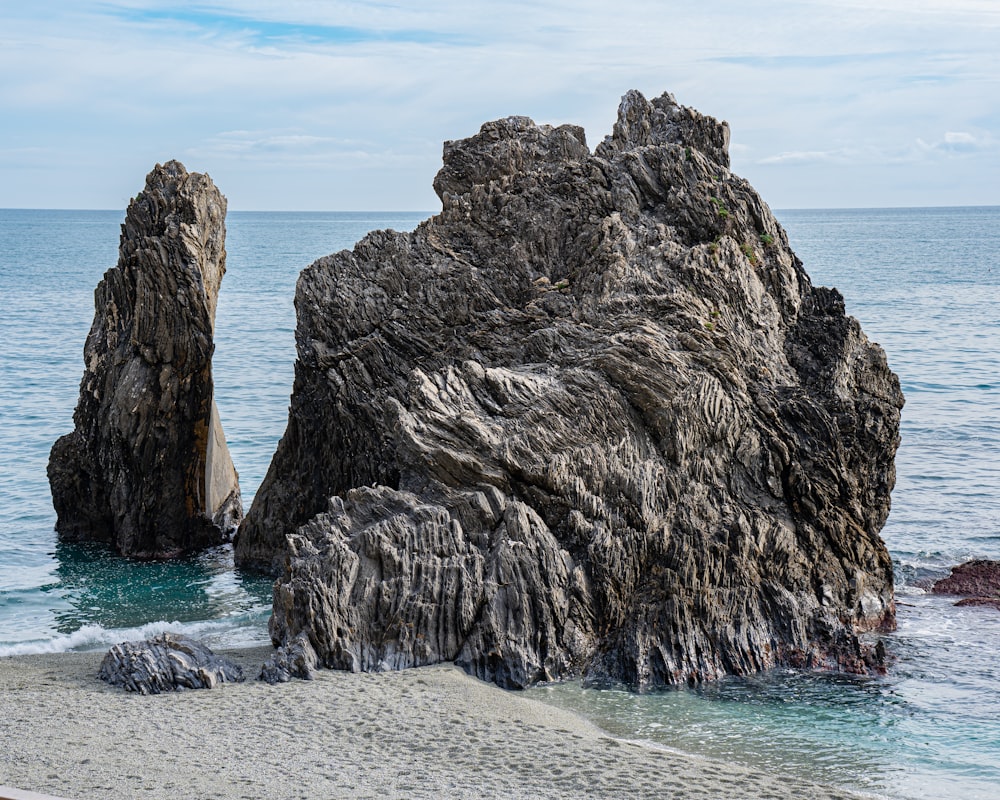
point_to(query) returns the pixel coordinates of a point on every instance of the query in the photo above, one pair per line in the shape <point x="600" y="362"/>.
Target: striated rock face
<point x="295" y="659"/>
<point x="147" y="468"/>
<point x="166" y="663"/>
<point x="590" y="419"/>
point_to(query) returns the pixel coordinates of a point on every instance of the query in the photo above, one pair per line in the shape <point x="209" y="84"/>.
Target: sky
<point x="343" y="106"/>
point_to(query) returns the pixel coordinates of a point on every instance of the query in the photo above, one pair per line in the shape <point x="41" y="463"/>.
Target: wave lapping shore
<point x="430" y="732"/>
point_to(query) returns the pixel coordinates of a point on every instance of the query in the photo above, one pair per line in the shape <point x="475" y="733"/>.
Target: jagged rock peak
<point x="147" y="468"/>
<point x="642" y="123"/>
<point x="592" y="418"/>
<point x="514" y="145"/>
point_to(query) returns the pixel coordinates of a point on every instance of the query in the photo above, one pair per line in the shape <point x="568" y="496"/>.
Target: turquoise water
<point x="924" y="283"/>
<point x="57" y="597"/>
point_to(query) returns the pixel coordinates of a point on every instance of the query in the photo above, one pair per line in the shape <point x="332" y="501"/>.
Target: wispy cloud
<point x="808" y="157"/>
<point x="263" y="31"/>
<point x="298" y="150"/>
<point x="355" y="96"/>
<point x="798" y="61"/>
<point x="959" y="143"/>
<point x="950" y="144"/>
<point x="959" y="138"/>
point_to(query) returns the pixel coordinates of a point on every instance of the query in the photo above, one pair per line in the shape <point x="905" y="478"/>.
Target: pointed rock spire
<point x="147" y="468"/>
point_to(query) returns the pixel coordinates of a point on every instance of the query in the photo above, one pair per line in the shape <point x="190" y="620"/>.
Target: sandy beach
<point x="431" y="732"/>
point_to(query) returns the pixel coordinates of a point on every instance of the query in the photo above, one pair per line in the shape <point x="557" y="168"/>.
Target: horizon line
<point x="432" y="213"/>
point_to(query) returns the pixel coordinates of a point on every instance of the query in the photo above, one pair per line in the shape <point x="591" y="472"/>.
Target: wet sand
<point x="423" y="733"/>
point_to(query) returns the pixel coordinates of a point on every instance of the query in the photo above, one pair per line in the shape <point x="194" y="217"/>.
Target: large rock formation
<point x="147" y="468"/>
<point x="591" y="418"/>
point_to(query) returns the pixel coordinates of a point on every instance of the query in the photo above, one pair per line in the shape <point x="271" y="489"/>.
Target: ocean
<point x="925" y="284"/>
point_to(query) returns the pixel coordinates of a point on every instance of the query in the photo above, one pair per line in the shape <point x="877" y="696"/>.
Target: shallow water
<point x="924" y="283"/>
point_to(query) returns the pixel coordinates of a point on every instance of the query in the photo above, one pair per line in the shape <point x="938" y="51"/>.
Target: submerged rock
<point x="592" y="418"/>
<point x="147" y="468"/>
<point x="992" y="602"/>
<point x="166" y="663"/>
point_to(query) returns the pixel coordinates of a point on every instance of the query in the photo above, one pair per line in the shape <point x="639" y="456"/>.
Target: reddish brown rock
<point x="978" y="579"/>
<point x="980" y="601"/>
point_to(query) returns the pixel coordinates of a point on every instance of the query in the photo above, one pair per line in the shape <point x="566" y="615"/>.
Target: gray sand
<point x="431" y="732"/>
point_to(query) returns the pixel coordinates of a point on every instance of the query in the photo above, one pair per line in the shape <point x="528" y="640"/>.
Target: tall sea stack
<point x="147" y="468"/>
<point x="592" y="418"/>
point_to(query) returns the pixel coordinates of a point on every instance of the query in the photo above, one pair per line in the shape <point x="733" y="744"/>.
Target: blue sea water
<point x="925" y="284"/>
<point x="56" y="596"/>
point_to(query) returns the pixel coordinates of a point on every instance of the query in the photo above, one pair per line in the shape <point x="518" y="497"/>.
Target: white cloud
<point x="959" y="137"/>
<point x="950" y="144"/>
<point x="297" y="151"/>
<point x="956" y="144"/>
<point x="305" y="91"/>
<point x="803" y="157"/>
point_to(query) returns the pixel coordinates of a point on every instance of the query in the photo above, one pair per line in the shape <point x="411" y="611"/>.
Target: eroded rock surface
<point x="294" y="659"/>
<point x="147" y="468"/>
<point x="166" y="663"/>
<point x="592" y="418"/>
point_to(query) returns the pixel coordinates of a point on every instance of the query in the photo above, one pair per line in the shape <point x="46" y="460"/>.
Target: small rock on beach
<point x="167" y="663"/>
